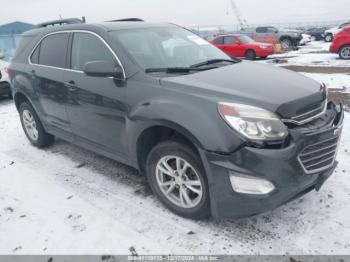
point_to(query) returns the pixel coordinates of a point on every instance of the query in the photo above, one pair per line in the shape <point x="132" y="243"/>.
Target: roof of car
<point x="106" y="26"/>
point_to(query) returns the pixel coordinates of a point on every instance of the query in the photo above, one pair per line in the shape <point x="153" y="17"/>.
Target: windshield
<point x="163" y="47"/>
<point x="245" y="39"/>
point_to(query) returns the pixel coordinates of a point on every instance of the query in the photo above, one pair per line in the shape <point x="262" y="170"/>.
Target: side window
<point x="53" y="50"/>
<point x="87" y="48"/>
<point x="261" y="30"/>
<point x="35" y="55"/>
<point x="219" y="40"/>
<point x="229" y="40"/>
<point x="272" y="30"/>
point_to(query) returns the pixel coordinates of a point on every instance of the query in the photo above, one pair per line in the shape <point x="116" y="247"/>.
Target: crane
<point x="242" y="22"/>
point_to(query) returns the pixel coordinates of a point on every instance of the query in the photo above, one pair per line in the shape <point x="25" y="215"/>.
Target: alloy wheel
<point x="345" y="52"/>
<point x="30" y="125"/>
<point x="179" y="181"/>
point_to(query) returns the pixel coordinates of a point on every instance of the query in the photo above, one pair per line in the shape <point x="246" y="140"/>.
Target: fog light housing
<point x="250" y="185"/>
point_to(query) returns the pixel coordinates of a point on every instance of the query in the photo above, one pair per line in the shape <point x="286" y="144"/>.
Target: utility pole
<point x="242" y="22"/>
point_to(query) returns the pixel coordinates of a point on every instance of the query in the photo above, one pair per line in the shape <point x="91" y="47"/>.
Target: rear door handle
<point x="71" y="86"/>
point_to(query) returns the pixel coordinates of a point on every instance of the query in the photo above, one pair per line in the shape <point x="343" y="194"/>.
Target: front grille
<point x="308" y="115"/>
<point x="319" y="156"/>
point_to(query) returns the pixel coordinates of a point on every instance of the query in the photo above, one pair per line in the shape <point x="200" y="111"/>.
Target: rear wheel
<point x="329" y="38"/>
<point x="250" y="54"/>
<point x="344" y="52"/>
<point x="287" y="44"/>
<point x="33" y="128"/>
<point x="177" y="178"/>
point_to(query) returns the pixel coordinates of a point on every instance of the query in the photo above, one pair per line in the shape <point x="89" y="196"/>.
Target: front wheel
<point x="250" y="54"/>
<point x="287" y="44"/>
<point x="329" y="38"/>
<point x="344" y="52"/>
<point x="33" y="128"/>
<point x="177" y="178"/>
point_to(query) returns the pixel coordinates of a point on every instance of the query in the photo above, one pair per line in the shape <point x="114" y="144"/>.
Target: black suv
<point x="214" y="135"/>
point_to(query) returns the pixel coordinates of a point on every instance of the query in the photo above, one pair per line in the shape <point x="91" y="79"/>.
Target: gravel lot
<point x="65" y="199"/>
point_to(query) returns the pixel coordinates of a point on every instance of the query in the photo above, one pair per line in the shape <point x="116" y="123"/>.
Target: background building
<point x="10" y="35"/>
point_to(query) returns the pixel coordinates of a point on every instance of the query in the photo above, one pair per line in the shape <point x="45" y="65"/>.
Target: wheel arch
<point x="158" y="132"/>
<point x="19" y="98"/>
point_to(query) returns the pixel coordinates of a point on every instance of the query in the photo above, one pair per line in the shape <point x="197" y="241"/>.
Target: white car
<point x="330" y="33"/>
<point x="305" y="40"/>
<point x="5" y="88"/>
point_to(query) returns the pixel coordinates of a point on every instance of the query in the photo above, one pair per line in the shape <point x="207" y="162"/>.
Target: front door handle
<point x="71" y="86"/>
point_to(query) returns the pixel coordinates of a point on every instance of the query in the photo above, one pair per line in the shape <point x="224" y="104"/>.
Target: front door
<point x="95" y="109"/>
<point x="231" y="47"/>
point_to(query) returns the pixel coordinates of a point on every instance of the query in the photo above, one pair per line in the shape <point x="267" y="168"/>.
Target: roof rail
<point x="60" y="22"/>
<point x="128" y="20"/>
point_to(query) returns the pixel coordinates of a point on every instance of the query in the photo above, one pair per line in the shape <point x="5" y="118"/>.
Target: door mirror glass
<point x="103" y="69"/>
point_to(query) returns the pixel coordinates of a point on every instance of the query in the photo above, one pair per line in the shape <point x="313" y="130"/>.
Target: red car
<point x="243" y="46"/>
<point x="341" y="43"/>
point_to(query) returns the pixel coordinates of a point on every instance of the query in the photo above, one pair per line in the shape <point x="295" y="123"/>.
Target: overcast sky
<point x="185" y="12"/>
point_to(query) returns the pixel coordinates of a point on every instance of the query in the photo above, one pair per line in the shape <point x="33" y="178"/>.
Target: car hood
<point x="333" y="30"/>
<point x="275" y="89"/>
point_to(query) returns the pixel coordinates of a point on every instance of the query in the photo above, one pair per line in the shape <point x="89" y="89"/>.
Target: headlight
<point x="263" y="46"/>
<point x="253" y="122"/>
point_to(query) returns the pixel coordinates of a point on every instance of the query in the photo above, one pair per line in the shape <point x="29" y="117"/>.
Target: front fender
<point x="201" y="124"/>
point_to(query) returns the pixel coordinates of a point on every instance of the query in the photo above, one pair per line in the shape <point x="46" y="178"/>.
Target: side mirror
<point x="238" y="43"/>
<point x="2" y="56"/>
<point x="103" y="69"/>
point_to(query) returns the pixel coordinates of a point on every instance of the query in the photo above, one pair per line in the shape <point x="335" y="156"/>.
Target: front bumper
<point x="333" y="48"/>
<point x="279" y="166"/>
<point x="265" y="52"/>
<point x="5" y="88"/>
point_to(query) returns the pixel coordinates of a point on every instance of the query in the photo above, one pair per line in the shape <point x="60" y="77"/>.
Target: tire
<point x="287" y="44"/>
<point x="170" y="152"/>
<point x="328" y="38"/>
<point x="344" y="52"/>
<point x="31" y="122"/>
<point x="250" y="54"/>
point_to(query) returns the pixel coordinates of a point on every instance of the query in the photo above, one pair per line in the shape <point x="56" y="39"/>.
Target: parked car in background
<point x="236" y="45"/>
<point x="5" y="88"/>
<point x="316" y="33"/>
<point x="305" y="39"/>
<point x="341" y="43"/>
<point x="289" y="39"/>
<point x="330" y="33"/>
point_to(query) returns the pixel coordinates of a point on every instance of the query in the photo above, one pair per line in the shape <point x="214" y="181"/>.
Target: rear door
<point x="47" y="64"/>
<point x="96" y="109"/>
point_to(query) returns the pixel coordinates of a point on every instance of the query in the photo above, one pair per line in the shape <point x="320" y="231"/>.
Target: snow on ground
<point x="315" y="53"/>
<point x="333" y="81"/>
<point x="65" y="199"/>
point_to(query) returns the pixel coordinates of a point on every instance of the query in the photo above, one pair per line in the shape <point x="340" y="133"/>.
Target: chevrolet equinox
<point x="214" y="135"/>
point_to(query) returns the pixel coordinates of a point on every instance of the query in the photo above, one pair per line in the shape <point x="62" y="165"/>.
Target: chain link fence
<point x="205" y="30"/>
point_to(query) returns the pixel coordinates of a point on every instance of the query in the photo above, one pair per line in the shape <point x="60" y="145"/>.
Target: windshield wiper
<point x="214" y="61"/>
<point x="170" y="70"/>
